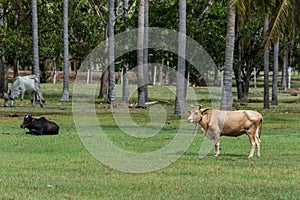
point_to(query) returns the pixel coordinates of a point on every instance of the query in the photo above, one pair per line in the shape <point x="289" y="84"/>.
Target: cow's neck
<point x="204" y="123"/>
<point x="204" y="126"/>
<point x="29" y="124"/>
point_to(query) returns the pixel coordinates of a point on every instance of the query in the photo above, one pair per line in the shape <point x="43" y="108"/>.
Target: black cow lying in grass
<point x="39" y="126"/>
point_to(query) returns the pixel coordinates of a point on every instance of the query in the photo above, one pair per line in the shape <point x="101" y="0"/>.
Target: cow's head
<point x="27" y="122"/>
<point x="196" y="114"/>
<point x="14" y="93"/>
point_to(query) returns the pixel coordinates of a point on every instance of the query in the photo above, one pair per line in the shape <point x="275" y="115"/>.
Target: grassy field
<point x="60" y="167"/>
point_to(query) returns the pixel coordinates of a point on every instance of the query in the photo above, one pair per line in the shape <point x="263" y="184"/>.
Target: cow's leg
<point x="257" y="142"/>
<point x="22" y="97"/>
<point x="217" y="146"/>
<point x="40" y="98"/>
<point x="252" y="143"/>
<point x="34" y="132"/>
<point x="33" y="98"/>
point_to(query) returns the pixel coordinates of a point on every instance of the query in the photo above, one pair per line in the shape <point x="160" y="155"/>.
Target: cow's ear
<point x="204" y="110"/>
<point x="200" y="106"/>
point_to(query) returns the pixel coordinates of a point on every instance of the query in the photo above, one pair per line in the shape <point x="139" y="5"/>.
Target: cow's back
<point x="233" y="123"/>
<point x="27" y="83"/>
<point x="51" y="128"/>
<point x="48" y="127"/>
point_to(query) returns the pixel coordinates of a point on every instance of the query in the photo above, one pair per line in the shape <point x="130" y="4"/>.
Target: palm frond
<point x="265" y="5"/>
<point x="279" y="18"/>
<point x="296" y="15"/>
<point x="241" y="6"/>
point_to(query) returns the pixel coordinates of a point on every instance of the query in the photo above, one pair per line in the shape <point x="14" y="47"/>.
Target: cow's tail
<point x="260" y="127"/>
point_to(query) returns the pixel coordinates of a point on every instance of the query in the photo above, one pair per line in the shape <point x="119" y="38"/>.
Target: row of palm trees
<point x="36" y="67"/>
<point x="284" y="16"/>
<point x="279" y="12"/>
<point x="276" y="13"/>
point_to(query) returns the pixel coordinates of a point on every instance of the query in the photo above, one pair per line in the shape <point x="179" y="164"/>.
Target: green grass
<point x="60" y="167"/>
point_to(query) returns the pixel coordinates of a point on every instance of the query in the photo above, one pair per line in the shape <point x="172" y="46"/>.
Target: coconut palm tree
<point x="111" y="53"/>
<point x="3" y="80"/>
<point x="285" y="63"/>
<point x="125" y="86"/>
<point x="3" y="69"/>
<point x="282" y="12"/>
<point x="266" y="65"/>
<point x="35" y="44"/>
<point x="180" y="81"/>
<point x="227" y="99"/>
<point x="145" y="51"/>
<point x="275" y="73"/>
<point x="35" y="40"/>
<point x="140" y="57"/>
<point x="65" y="93"/>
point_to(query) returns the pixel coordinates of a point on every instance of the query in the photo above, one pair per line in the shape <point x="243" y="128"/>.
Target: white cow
<point x="22" y="84"/>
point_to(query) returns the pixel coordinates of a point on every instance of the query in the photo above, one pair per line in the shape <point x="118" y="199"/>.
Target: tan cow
<point x="215" y="123"/>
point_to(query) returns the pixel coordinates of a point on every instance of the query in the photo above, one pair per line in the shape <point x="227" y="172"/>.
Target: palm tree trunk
<point x="227" y="99"/>
<point x="145" y="53"/>
<point x="285" y="63"/>
<point x="35" y="40"/>
<point x="125" y="89"/>
<point x="3" y="66"/>
<point x="35" y="44"/>
<point x="17" y="42"/>
<point x="125" y="86"/>
<point x="111" y="53"/>
<point x="180" y="81"/>
<point x="104" y="75"/>
<point x="3" y="76"/>
<point x="65" y="93"/>
<point x="104" y="80"/>
<point x="237" y="68"/>
<point x="140" y="58"/>
<point x="266" y="66"/>
<point x="275" y="74"/>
